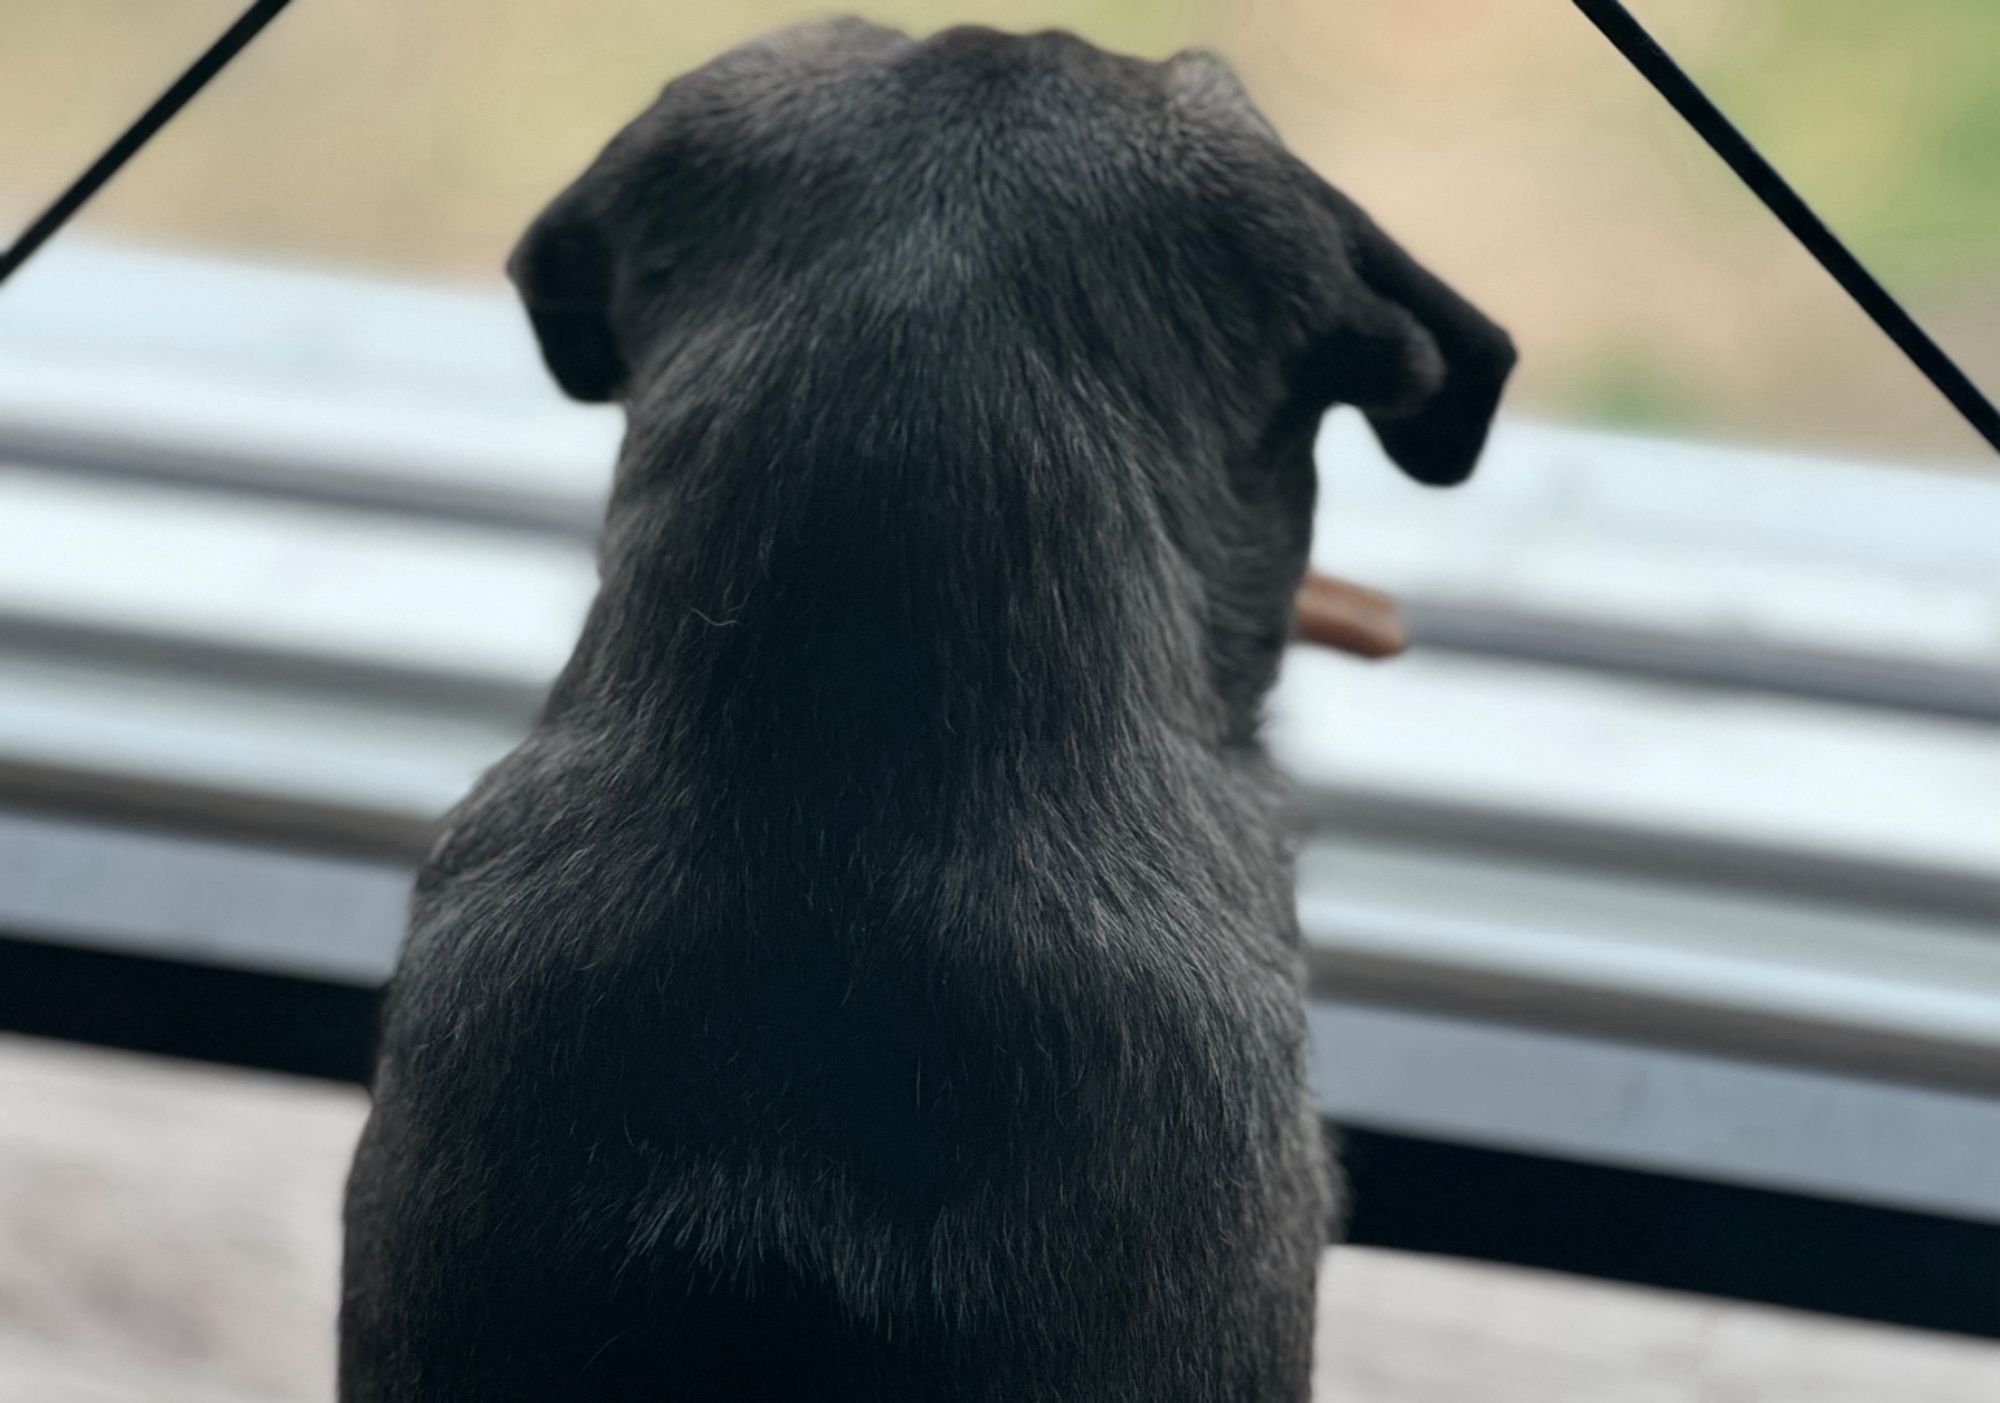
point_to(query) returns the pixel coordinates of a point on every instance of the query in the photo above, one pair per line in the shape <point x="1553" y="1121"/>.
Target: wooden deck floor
<point x="167" y="1235"/>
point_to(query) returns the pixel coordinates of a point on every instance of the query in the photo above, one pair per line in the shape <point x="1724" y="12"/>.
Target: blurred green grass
<point x="1894" y="110"/>
<point x="1502" y="139"/>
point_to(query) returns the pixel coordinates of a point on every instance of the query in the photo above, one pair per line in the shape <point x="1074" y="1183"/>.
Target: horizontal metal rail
<point x="1443" y="623"/>
<point x="1959" y="692"/>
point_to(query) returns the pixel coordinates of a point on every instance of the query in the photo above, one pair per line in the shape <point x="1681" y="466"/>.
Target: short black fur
<point x="876" y="976"/>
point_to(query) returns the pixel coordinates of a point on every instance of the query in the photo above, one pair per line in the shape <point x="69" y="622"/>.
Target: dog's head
<point x="1154" y="191"/>
<point x="1020" y="252"/>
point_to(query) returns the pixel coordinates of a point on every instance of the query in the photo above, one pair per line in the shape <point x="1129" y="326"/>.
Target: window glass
<point x="1506" y="142"/>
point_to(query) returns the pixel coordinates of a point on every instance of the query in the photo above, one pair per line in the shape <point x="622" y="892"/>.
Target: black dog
<point x="876" y="977"/>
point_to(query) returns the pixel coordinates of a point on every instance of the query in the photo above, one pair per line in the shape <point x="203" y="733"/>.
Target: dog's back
<point x="876" y="977"/>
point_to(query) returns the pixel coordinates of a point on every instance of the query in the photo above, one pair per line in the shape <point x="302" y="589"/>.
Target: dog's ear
<point x="1386" y="335"/>
<point x="563" y="271"/>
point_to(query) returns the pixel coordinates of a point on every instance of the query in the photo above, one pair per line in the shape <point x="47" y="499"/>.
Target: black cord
<point x="163" y="110"/>
<point x="1778" y="196"/>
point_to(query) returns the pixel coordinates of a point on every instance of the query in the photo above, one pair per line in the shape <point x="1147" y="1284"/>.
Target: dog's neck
<point x="911" y="601"/>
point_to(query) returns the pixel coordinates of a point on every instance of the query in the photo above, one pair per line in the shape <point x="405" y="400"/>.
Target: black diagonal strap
<point x="163" y="111"/>
<point x="1781" y="199"/>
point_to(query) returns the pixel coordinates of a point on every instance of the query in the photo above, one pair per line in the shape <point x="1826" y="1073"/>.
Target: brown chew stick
<point x="1351" y="618"/>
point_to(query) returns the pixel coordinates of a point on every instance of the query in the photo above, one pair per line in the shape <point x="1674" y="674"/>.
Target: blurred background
<point x="1664" y="872"/>
<point x="1503" y="140"/>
